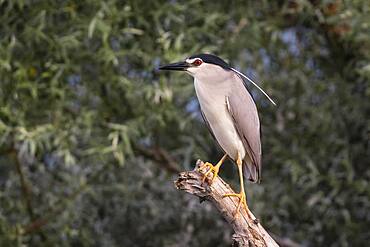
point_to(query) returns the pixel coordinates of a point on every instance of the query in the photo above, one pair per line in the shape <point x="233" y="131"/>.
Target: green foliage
<point x="86" y="122"/>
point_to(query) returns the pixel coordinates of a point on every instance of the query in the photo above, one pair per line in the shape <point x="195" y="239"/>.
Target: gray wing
<point x="244" y="113"/>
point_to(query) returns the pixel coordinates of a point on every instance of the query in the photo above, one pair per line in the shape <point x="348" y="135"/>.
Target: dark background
<point x="92" y="136"/>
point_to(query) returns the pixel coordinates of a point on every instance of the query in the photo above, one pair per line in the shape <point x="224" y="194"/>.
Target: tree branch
<point x="26" y="190"/>
<point x="160" y="156"/>
<point x="248" y="231"/>
<point x="24" y="185"/>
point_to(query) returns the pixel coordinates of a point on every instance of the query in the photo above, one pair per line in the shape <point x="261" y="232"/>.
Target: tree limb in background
<point x="160" y="156"/>
<point x="248" y="231"/>
<point x="24" y="185"/>
<point x="26" y="190"/>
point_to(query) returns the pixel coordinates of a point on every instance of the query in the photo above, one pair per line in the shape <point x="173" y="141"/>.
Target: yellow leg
<point x="213" y="169"/>
<point x="241" y="195"/>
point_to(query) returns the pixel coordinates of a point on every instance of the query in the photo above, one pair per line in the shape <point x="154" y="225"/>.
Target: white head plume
<point x="246" y="77"/>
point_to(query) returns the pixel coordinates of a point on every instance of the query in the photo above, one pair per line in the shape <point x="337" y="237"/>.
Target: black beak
<point x="181" y="66"/>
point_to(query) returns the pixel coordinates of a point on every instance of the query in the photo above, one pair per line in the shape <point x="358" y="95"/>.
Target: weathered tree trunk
<point x="247" y="230"/>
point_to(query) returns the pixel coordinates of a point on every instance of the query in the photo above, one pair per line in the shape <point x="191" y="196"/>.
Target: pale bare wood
<point x="247" y="229"/>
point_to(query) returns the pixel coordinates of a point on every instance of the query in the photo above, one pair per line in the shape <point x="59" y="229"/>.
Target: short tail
<point x="251" y="172"/>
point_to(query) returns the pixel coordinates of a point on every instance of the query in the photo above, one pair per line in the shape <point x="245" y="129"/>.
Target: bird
<point x="230" y="113"/>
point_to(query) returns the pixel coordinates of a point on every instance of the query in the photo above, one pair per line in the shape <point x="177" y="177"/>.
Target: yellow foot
<point x="242" y="200"/>
<point x="211" y="168"/>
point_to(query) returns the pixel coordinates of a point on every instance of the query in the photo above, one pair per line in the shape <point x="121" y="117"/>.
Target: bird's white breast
<point x="212" y="100"/>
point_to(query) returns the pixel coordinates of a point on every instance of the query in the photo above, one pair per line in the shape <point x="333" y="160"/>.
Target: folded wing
<point x="243" y="110"/>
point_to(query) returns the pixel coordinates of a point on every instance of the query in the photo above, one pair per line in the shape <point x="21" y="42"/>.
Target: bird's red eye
<point x="197" y="62"/>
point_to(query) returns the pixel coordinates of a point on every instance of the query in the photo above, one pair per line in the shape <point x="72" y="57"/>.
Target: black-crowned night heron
<point x="230" y="114"/>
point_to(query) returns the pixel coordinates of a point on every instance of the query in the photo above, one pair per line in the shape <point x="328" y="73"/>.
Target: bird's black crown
<point x="209" y="58"/>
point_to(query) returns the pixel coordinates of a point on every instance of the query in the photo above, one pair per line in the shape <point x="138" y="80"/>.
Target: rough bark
<point x="247" y="229"/>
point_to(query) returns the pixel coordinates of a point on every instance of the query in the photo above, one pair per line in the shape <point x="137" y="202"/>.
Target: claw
<point x="242" y="200"/>
<point x="211" y="169"/>
<point x="215" y="169"/>
<point x="241" y="195"/>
